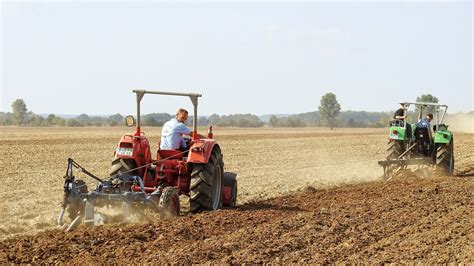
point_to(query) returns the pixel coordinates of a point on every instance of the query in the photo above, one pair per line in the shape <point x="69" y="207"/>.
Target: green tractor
<point x="411" y="145"/>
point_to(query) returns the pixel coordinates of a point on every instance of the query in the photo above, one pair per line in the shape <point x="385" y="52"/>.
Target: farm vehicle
<point x="405" y="149"/>
<point x="138" y="182"/>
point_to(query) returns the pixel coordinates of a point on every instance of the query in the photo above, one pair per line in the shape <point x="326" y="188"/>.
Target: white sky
<point x="265" y="57"/>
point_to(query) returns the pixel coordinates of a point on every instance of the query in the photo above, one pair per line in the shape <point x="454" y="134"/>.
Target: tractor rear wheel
<point x="395" y="148"/>
<point x="120" y="165"/>
<point x="445" y="157"/>
<point x="169" y="203"/>
<point x="206" y="184"/>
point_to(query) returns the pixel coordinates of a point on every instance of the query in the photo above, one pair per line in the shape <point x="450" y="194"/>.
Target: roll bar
<point x="193" y="96"/>
<point x="439" y="107"/>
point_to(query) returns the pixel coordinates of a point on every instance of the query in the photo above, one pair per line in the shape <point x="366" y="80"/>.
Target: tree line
<point x="328" y="114"/>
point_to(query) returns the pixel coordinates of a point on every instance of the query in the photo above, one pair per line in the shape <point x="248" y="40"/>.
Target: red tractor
<point x="137" y="180"/>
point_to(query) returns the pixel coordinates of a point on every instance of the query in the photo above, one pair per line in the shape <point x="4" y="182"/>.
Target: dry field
<point x="270" y="163"/>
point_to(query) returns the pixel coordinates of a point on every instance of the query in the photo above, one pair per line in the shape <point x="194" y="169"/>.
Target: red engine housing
<point x="141" y="150"/>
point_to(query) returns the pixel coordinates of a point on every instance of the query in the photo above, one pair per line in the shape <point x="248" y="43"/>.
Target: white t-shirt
<point x="172" y="135"/>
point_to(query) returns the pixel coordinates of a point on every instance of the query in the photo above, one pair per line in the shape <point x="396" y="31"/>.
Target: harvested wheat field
<point x="305" y="195"/>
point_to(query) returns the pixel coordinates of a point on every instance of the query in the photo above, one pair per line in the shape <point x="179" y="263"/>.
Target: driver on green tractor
<point x="401" y="115"/>
<point x="426" y="123"/>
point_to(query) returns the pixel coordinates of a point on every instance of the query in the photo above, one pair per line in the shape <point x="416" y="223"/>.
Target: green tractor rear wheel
<point x="445" y="157"/>
<point x="395" y="148"/>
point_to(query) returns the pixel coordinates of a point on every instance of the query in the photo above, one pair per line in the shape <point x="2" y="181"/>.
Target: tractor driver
<point x="173" y="131"/>
<point x="401" y="114"/>
<point x="426" y="123"/>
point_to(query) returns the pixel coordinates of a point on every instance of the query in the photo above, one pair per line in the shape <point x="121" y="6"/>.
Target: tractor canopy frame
<point x="193" y="96"/>
<point x="438" y="108"/>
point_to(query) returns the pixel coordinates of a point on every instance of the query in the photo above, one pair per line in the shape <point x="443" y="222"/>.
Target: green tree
<point x="329" y="109"/>
<point x="84" y="119"/>
<point x="59" y="121"/>
<point x="273" y="121"/>
<point x="242" y="122"/>
<point x="115" y="120"/>
<point x="51" y="119"/>
<point x="19" y="112"/>
<point x="5" y="119"/>
<point x="214" y="119"/>
<point x="351" y="123"/>
<point x="36" y="120"/>
<point x="427" y="98"/>
<point x="151" y="122"/>
<point x="74" y="123"/>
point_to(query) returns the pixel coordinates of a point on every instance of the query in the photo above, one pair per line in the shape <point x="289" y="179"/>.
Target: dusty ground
<point x="410" y="220"/>
<point x="404" y="220"/>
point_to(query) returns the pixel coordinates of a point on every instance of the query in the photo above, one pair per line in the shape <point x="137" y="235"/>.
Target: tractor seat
<point x="422" y="134"/>
<point x="174" y="154"/>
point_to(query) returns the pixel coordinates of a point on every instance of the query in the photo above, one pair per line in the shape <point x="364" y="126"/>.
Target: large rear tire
<point x="395" y="148"/>
<point x="445" y="157"/>
<point x="207" y="183"/>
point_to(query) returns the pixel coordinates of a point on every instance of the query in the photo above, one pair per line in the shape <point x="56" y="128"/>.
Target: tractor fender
<point x="201" y="150"/>
<point x="443" y="136"/>
<point x="397" y="133"/>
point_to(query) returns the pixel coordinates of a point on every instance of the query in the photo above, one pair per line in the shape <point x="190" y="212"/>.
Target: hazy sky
<point x="264" y="57"/>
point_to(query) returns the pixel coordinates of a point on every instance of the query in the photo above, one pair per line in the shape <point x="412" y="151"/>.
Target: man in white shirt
<point x="173" y="131"/>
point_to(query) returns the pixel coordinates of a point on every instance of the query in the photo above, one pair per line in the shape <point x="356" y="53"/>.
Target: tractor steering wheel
<point x="187" y="140"/>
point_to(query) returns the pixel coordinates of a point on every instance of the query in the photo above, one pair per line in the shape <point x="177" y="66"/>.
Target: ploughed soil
<point x="407" y="219"/>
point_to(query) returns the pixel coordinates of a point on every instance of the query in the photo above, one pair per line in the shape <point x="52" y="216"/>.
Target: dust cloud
<point x="461" y="122"/>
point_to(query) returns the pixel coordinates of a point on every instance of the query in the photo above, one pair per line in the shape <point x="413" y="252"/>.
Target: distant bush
<point x="273" y="121"/>
<point x="21" y="116"/>
<point x="291" y="122"/>
<point x="74" y="123"/>
<point x="152" y="122"/>
<point x="237" y="120"/>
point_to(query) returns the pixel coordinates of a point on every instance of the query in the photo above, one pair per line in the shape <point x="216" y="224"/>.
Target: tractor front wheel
<point x="120" y="165"/>
<point x="169" y="203"/>
<point x="206" y="184"/>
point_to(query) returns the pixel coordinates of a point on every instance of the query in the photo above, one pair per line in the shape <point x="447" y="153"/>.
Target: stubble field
<point x="272" y="164"/>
